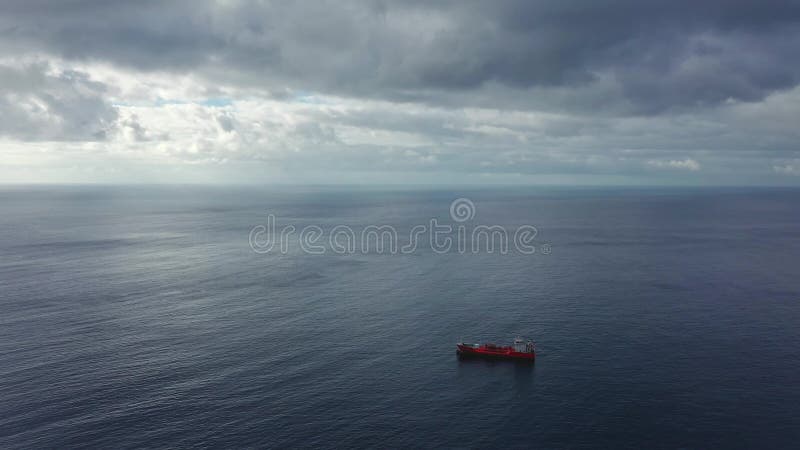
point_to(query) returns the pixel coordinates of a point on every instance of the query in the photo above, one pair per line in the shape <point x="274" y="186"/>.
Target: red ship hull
<point x="493" y="351"/>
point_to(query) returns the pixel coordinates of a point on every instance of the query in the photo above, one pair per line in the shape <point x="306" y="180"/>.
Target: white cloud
<point x="148" y="121"/>
<point x="39" y="102"/>
<point x="788" y="169"/>
<point x="681" y="164"/>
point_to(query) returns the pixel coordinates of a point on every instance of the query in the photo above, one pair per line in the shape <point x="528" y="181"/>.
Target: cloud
<point x="788" y="169"/>
<point x="39" y="103"/>
<point x="685" y="164"/>
<point x="636" y="89"/>
<point x="681" y="54"/>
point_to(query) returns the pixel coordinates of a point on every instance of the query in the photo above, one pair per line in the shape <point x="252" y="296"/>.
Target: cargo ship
<point x="519" y="350"/>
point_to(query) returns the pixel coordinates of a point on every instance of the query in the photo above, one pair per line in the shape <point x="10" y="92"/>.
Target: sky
<point x="392" y="92"/>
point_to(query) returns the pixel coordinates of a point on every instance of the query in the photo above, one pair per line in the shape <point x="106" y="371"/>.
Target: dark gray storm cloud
<point x="659" y="56"/>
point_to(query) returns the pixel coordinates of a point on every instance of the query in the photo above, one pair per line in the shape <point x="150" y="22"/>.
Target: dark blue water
<point x="140" y="317"/>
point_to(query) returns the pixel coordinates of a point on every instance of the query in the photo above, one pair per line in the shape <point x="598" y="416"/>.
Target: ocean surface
<point x="142" y="317"/>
